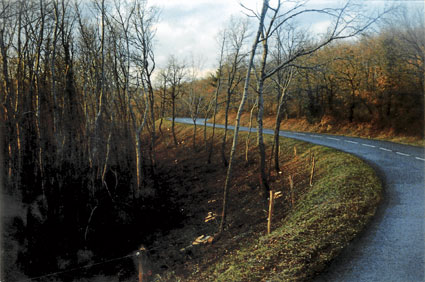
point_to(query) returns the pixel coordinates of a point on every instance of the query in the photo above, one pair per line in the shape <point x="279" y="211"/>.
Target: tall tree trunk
<point x="248" y="136"/>
<point x="260" y="138"/>
<point x="260" y="141"/>
<point x="194" y="136"/>
<point x="279" y="115"/>
<point x="238" y="116"/>
<point x="217" y="91"/>
<point x="7" y="116"/>
<point x="226" y="122"/>
<point x="276" y="138"/>
<point x="53" y="69"/>
<point x="162" y="114"/>
<point x="351" y="108"/>
<point x="173" y="101"/>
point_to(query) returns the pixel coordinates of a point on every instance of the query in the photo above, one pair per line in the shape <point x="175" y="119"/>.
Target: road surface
<point x="392" y="246"/>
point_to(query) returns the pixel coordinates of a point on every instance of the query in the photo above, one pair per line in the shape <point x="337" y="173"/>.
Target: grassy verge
<point x="325" y="219"/>
<point x="305" y="237"/>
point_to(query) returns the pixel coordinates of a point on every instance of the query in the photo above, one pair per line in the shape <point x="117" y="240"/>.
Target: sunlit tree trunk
<point x="239" y="114"/>
<point x="281" y="97"/>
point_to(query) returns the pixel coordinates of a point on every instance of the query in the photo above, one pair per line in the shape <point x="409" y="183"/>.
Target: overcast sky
<point x="190" y="27"/>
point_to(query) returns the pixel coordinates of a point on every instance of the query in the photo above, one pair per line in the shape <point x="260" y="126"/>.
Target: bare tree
<point x="236" y="36"/>
<point x="239" y="114"/>
<point x="217" y="91"/>
<point x="193" y="99"/>
<point x="162" y="90"/>
<point x="176" y="75"/>
<point x="139" y="97"/>
<point x="347" y="22"/>
<point x="284" y="47"/>
<point x="144" y="20"/>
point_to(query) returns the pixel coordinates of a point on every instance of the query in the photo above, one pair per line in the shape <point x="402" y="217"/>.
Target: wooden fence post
<point x="312" y="171"/>
<point x="291" y="186"/>
<point x="271" y="203"/>
<point x="140" y="255"/>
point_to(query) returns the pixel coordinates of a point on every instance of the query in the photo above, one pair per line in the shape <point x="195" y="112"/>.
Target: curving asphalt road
<point x="392" y="247"/>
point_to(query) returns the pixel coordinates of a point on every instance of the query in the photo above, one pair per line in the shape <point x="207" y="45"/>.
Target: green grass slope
<point x="343" y="199"/>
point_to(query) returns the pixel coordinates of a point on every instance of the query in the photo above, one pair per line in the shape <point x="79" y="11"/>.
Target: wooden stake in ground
<point x="295" y="151"/>
<point x="140" y="255"/>
<point x="271" y="204"/>
<point x="291" y="186"/>
<point x="312" y="170"/>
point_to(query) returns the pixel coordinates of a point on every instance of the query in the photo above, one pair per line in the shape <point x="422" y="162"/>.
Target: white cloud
<point x="190" y="27"/>
<point x="321" y="27"/>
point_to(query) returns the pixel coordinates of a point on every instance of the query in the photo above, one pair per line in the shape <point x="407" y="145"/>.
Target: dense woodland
<point x="83" y="104"/>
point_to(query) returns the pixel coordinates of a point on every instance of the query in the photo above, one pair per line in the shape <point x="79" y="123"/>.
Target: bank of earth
<point x="311" y="223"/>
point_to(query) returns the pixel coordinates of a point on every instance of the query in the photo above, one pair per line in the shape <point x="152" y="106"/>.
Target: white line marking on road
<point x="402" y="154"/>
<point x="315" y="136"/>
<point x="336" y="139"/>
<point x="367" y="145"/>
<point x="420" y="159"/>
<point x="300" y="134"/>
<point x="385" y="149"/>
<point x="352" y="142"/>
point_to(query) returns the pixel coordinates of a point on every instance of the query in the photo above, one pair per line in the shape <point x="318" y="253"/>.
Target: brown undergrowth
<point x="295" y="250"/>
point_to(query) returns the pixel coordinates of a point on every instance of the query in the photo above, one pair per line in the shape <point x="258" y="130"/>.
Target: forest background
<point x="83" y="103"/>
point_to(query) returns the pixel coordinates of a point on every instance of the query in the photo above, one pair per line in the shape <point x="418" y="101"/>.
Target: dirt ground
<point x="198" y="190"/>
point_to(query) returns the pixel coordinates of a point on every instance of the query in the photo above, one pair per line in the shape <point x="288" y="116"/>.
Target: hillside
<point x="310" y="226"/>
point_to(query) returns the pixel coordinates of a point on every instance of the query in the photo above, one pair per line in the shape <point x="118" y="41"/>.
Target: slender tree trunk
<point x="248" y="137"/>
<point x="53" y="70"/>
<point x="162" y="112"/>
<point x="205" y="133"/>
<point x="217" y="91"/>
<point x="260" y="141"/>
<point x="351" y="108"/>
<point x="5" y="65"/>
<point x="194" y="136"/>
<point x="173" y="98"/>
<point x="260" y="138"/>
<point x="238" y="116"/>
<point x="276" y="138"/>
<point x="138" y="146"/>
<point x="139" y="154"/>
<point x="279" y="116"/>
<point x="226" y="122"/>
<point x="151" y="99"/>
<point x="8" y="134"/>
